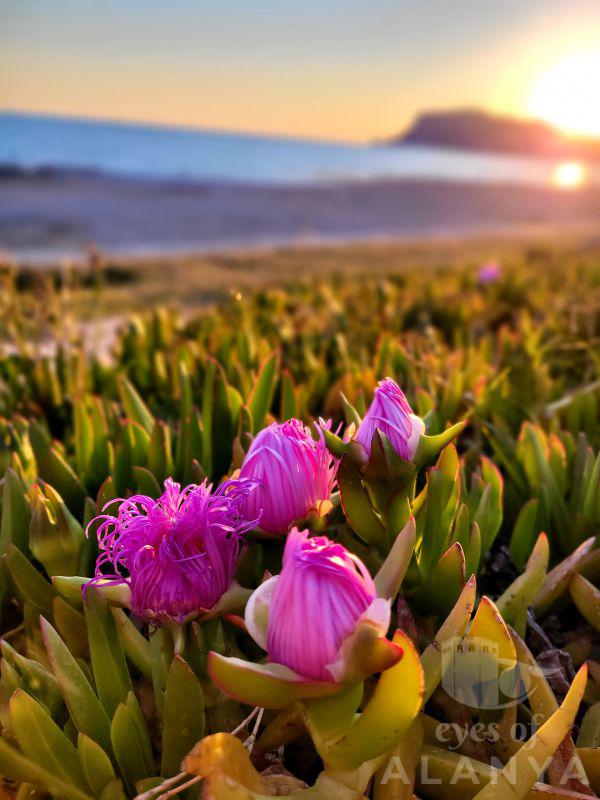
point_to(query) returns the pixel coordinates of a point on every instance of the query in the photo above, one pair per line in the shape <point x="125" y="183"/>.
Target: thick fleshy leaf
<point x="265" y="685"/>
<point x="589" y="730"/>
<point x="358" y="509"/>
<point x="85" y="708"/>
<point x="516" y="599"/>
<point x="329" y="717"/>
<point x="469" y="537"/>
<point x="489" y="512"/>
<point x="14" y="525"/>
<point x="387" y="716"/>
<point x="31" y="583"/>
<point x="55" y="470"/>
<point x="385" y="466"/>
<point x="127" y="747"/>
<point x="558" y="579"/>
<point x="543" y="704"/>
<point x="439" y="593"/>
<point x="453" y="627"/>
<point x="391" y="573"/>
<point x="395" y="779"/>
<point x="17" y="767"/>
<point x="36" y="680"/>
<point x="183" y="718"/>
<point x="524" y="534"/>
<point x="488" y="625"/>
<point x="261" y="397"/>
<point x="534" y="452"/>
<point x="111" y="675"/>
<point x="430" y="446"/>
<point x="134" y="643"/>
<point x="523" y="769"/>
<point x="160" y="458"/>
<point x="135" y="408"/>
<point x="448" y="775"/>
<point x="71" y="625"/>
<point x="55" y="536"/>
<point x="335" y="444"/>
<point x="591" y="763"/>
<point x="145" y="482"/>
<point x="289" y="403"/>
<point x="434" y="509"/>
<point x="473" y="668"/>
<point x="587" y="599"/>
<point x="161" y="648"/>
<point x="117" y="594"/>
<point x="42" y="741"/>
<point x="96" y="764"/>
<point x="366" y="651"/>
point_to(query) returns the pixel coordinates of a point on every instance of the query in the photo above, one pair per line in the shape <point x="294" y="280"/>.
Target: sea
<point x="32" y="142"/>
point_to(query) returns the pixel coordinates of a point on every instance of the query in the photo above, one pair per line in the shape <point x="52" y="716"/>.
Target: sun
<point x="569" y="175"/>
<point x="568" y="94"/>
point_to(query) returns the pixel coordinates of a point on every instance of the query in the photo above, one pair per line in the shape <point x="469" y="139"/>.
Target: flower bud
<point x="296" y="475"/>
<point x="315" y="604"/>
<point x="177" y="554"/>
<point x="391" y="414"/>
<point x="489" y="273"/>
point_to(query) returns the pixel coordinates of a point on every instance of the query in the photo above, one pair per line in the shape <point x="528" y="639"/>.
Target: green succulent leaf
<point x="14" y="524"/>
<point x="265" y="685"/>
<point x="95" y="763"/>
<point x="111" y="675"/>
<point x="85" y="708"/>
<point x="127" y="746"/>
<point x="516" y="599"/>
<point x="135" y="408"/>
<point x="30" y="583"/>
<point x="42" y="741"/>
<point x="261" y="397"/>
<point x="358" y="508"/>
<point x="17" y="767"/>
<point x="430" y="446"/>
<point x="388" y="714"/>
<point x="183" y="719"/>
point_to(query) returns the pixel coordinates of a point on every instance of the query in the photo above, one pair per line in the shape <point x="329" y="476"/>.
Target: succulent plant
<point x="340" y="649"/>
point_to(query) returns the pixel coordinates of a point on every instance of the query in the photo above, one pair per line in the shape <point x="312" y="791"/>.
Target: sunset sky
<point x="337" y="69"/>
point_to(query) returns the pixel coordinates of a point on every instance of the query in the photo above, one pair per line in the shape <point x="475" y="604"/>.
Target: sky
<point x="351" y="70"/>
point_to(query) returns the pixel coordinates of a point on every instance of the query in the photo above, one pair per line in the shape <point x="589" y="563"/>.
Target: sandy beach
<point x="48" y="217"/>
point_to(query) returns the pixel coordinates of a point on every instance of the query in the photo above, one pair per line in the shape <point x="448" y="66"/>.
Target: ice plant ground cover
<point x="338" y="540"/>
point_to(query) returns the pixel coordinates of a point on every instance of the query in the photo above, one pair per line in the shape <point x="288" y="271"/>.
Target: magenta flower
<point x="295" y="473"/>
<point x="489" y="273"/>
<point x="391" y="414"/>
<point x="177" y="554"/>
<point x="314" y="605"/>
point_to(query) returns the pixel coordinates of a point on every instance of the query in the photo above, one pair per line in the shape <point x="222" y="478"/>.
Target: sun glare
<point x="569" y="175"/>
<point x="567" y="95"/>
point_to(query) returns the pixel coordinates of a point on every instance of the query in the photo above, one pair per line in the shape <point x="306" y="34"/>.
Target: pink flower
<point x="314" y="605"/>
<point x="489" y="272"/>
<point x="295" y="475"/>
<point x="391" y="414"/>
<point x="176" y="554"/>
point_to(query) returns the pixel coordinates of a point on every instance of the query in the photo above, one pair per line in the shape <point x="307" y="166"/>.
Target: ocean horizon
<point x="33" y="142"/>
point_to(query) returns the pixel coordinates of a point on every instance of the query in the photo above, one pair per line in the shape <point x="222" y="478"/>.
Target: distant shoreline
<point x="53" y="216"/>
